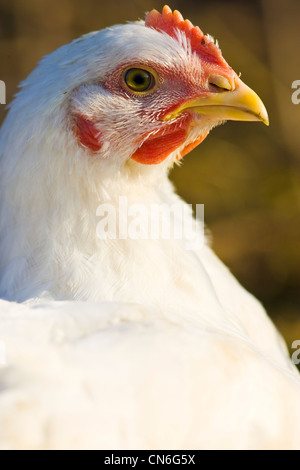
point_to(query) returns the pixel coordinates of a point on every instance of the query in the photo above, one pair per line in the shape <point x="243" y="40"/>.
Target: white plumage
<point x="123" y="343"/>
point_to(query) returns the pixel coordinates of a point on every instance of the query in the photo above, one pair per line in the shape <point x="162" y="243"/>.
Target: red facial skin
<point x="156" y="146"/>
<point x="153" y="151"/>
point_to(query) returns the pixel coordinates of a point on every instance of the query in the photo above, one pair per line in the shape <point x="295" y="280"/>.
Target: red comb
<point x="170" y="22"/>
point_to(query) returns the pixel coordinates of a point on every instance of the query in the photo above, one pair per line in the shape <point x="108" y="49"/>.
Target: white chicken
<point x="117" y="341"/>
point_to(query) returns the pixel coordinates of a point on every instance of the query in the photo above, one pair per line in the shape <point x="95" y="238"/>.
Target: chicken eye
<point x="139" y="80"/>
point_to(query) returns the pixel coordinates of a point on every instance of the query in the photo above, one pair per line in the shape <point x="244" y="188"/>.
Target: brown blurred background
<point x="247" y="175"/>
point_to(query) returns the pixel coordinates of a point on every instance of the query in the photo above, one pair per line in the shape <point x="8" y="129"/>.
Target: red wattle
<point x="155" y="149"/>
<point x="188" y="148"/>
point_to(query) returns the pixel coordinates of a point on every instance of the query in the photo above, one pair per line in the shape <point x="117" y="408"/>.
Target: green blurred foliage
<point x="246" y="174"/>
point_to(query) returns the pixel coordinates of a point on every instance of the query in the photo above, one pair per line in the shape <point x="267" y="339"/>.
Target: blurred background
<point x="247" y="175"/>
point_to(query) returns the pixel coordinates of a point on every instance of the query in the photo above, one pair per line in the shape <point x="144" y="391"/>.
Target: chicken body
<point x="141" y="342"/>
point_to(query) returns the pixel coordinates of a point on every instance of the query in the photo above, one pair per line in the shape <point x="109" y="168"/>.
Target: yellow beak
<point x="239" y="104"/>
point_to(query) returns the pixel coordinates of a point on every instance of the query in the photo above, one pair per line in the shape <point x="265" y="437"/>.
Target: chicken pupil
<point x="139" y="79"/>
